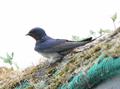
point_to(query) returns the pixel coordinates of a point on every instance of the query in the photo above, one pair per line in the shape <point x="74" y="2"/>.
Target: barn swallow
<point x="53" y="49"/>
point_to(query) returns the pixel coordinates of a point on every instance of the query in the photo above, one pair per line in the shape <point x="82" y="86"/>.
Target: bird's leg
<point x="52" y="62"/>
<point x="55" y="60"/>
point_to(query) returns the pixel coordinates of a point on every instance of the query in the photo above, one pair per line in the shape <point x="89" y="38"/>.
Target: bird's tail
<point x="87" y="39"/>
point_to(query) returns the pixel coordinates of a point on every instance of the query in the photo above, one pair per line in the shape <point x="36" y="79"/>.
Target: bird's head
<point x="37" y="33"/>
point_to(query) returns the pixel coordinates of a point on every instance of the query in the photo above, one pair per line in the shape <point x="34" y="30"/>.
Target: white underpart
<point x="51" y="57"/>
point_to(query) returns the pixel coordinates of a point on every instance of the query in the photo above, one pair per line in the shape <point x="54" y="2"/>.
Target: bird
<point x="53" y="49"/>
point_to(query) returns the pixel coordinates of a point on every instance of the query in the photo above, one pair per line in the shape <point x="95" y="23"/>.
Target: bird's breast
<point x="51" y="55"/>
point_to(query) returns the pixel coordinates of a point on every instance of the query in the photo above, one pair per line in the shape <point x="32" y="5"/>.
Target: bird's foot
<point x="55" y="61"/>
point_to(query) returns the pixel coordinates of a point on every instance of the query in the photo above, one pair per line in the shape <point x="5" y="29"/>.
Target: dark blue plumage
<point x="54" y="49"/>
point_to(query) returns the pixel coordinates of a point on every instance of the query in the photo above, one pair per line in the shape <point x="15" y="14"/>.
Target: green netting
<point x="105" y="68"/>
<point x="23" y="85"/>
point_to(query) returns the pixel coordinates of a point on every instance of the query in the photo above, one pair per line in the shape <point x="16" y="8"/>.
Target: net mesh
<point x="105" y="68"/>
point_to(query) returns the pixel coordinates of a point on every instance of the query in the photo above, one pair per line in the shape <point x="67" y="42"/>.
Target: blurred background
<point x="59" y="18"/>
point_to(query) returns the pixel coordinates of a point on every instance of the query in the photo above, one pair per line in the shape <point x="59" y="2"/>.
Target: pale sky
<point x="59" y="18"/>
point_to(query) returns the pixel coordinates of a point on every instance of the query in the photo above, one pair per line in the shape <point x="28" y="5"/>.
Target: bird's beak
<point x="27" y="34"/>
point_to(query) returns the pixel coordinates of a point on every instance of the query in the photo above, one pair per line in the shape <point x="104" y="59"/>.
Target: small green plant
<point x="76" y="38"/>
<point x="102" y="31"/>
<point x="92" y="33"/>
<point x="114" y="17"/>
<point x="99" y="32"/>
<point x="9" y="60"/>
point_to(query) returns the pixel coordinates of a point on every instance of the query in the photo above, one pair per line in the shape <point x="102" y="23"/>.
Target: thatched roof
<point x="75" y="70"/>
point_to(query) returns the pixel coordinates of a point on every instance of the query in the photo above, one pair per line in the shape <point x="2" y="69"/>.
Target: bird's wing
<point x="64" y="45"/>
<point x="47" y="45"/>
